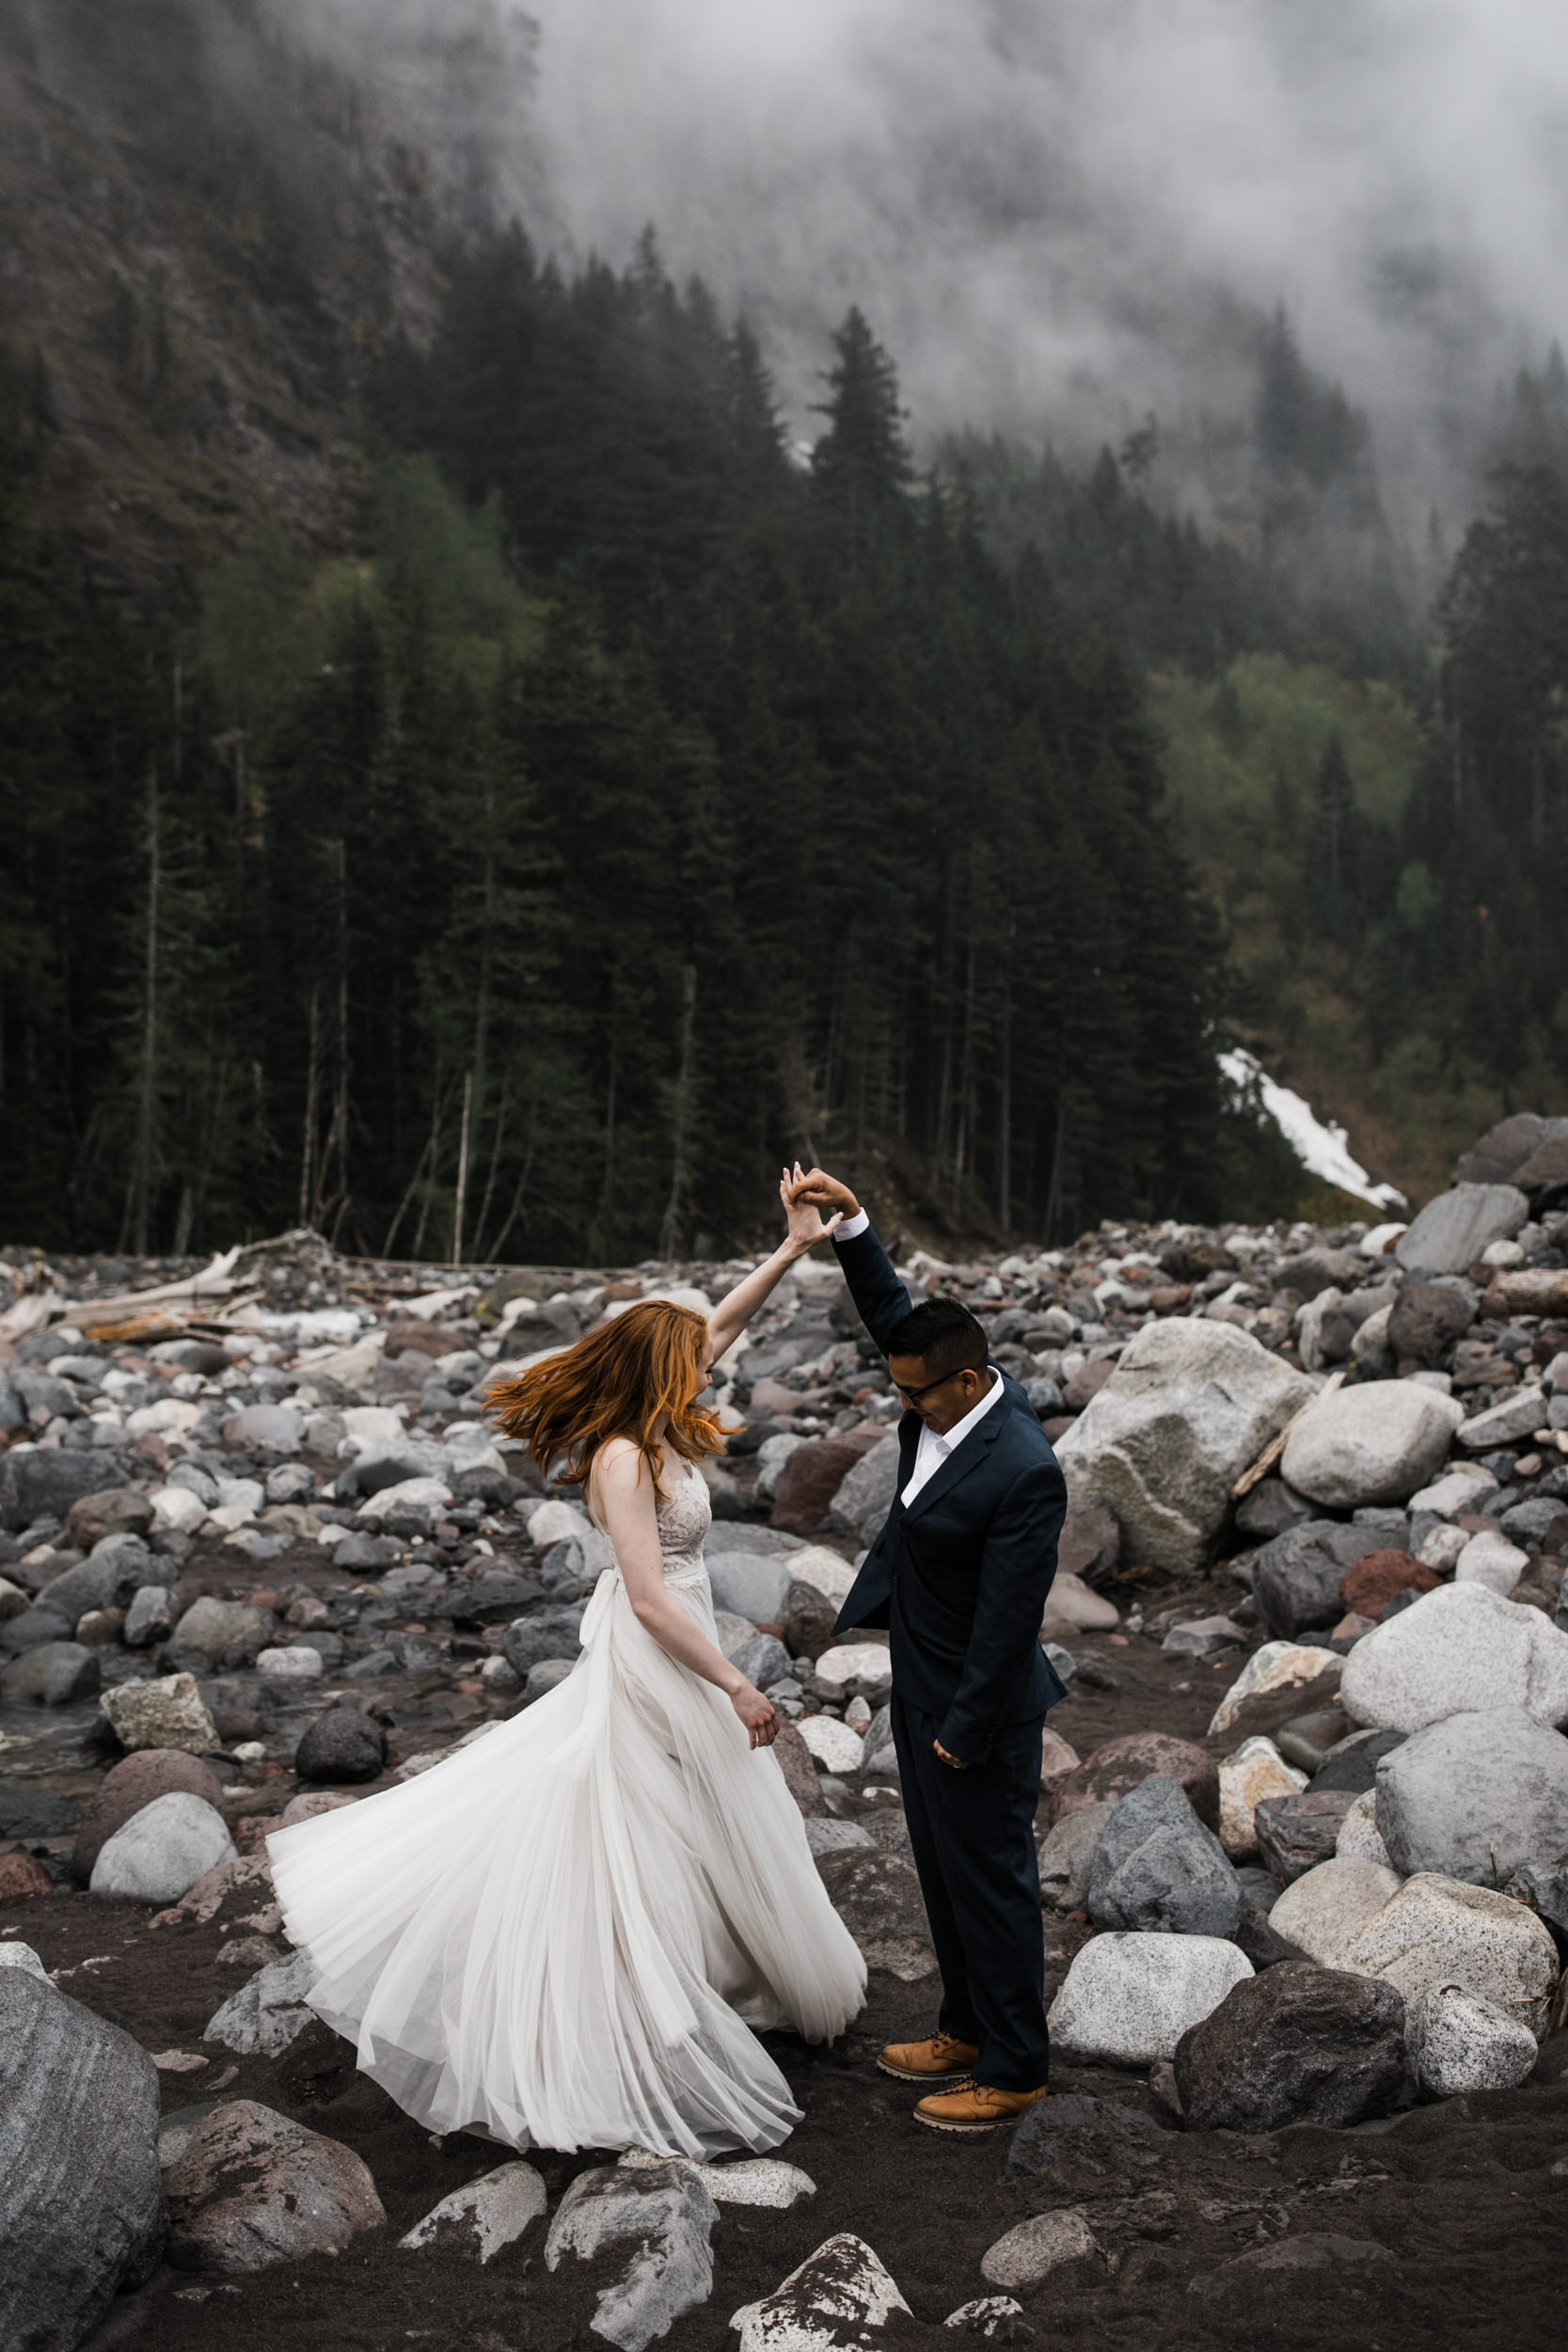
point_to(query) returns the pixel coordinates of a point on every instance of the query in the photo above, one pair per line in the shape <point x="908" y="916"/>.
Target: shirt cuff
<point x="853" y="1226"/>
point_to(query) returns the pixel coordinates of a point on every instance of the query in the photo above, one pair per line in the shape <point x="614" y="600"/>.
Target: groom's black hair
<point x="944" y="1336"/>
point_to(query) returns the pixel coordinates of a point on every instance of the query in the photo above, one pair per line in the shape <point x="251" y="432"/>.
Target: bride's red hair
<point x="635" y="1377"/>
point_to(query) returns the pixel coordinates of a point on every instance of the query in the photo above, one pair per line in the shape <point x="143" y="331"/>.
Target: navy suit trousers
<point x="973" y="1839"/>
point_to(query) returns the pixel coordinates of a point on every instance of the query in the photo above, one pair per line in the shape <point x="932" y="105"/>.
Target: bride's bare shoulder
<point x="618" y="1468"/>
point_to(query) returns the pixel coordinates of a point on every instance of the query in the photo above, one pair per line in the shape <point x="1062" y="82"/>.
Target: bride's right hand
<point x="759" y="1715"/>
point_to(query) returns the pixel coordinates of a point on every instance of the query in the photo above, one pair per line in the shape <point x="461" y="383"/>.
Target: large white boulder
<point x="1129" y="1999"/>
<point x="1459" y="1649"/>
<point x="1371" y="1445"/>
<point x="1460" y="2042"/>
<point x="1452" y="1231"/>
<point x="1474" y="1796"/>
<point x="1439" y="1931"/>
<point x="162" y="1850"/>
<point x="1191" y="1406"/>
<point x="1326" y="1908"/>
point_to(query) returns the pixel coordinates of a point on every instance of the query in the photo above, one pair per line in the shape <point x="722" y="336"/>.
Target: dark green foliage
<point x="643" y="808"/>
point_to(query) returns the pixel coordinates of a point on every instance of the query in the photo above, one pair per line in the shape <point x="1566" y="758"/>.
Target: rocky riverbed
<point x="1303" y="1818"/>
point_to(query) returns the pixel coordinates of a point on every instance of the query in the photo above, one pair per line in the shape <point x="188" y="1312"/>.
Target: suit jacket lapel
<point x="958" y="1463"/>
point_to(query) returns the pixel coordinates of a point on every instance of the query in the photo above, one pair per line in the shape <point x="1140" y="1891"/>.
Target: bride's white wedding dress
<point x="563" y="1935"/>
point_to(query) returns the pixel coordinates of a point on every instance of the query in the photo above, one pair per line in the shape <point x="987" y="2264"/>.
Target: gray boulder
<point x="1296" y="1578"/>
<point x="1462" y="2041"/>
<point x="390" y="1465"/>
<point x="665" y="2213"/>
<point x="542" y="1633"/>
<point x="342" y="1744"/>
<point x="81" y="2213"/>
<point x="163" y="1850"/>
<point x="1374" y="1443"/>
<point x="1462" y="1647"/>
<point x="840" y="2295"/>
<point x="866" y="1493"/>
<point x="269" y="2012"/>
<point x="149" y="1618"/>
<point x="265" y="1429"/>
<point x="763" y="1660"/>
<point x="56" y="1674"/>
<point x="1453" y="1231"/>
<point x="42" y="1482"/>
<point x="210" y="1630"/>
<point x="1158" y="1869"/>
<point x="1475" y="1797"/>
<point x="1066" y="1856"/>
<point x="106" y="1581"/>
<point x="1518" y="1416"/>
<point x="1190" y="1406"/>
<point x="749" y="1585"/>
<point x="29" y="1629"/>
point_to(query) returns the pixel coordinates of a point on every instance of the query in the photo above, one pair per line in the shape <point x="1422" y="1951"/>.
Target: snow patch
<point x="1322" y="1150"/>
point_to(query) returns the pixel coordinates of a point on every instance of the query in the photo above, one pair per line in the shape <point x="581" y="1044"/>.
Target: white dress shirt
<point x="932" y="1450"/>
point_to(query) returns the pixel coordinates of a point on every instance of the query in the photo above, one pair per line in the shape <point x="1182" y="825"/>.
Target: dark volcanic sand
<point x="1470" y="2196"/>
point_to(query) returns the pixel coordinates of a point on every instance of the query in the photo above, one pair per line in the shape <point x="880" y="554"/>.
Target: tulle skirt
<point x="562" y="1935"/>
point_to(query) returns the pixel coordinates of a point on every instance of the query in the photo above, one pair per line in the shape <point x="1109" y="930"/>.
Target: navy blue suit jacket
<point x="960" y="1577"/>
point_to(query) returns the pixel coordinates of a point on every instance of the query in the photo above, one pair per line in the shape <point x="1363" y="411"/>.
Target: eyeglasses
<point x="912" y="1396"/>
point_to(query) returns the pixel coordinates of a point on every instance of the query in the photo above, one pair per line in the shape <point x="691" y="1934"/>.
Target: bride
<point x="564" y="1934"/>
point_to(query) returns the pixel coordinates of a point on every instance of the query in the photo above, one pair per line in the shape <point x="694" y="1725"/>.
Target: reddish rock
<point x="131" y="1784"/>
<point x="118" y="1511"/>
<point x="1295" y="1833"/>
<point x="1371" y="1582"/>
<point x="405" y="1332"/>
<point x="806" y="1621"/>
<point x="252" y="2189"/>
<point x="808" y="1481"/>
<point x="22" y="1878"/>
<point x="798" y="1767"/>
<point x="1123" y="1765"/>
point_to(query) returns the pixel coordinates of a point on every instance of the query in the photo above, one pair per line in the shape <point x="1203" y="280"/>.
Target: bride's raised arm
<point x="807" y="1227"/>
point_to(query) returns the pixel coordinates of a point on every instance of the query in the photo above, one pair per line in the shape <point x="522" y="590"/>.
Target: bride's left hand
<point x="759" y="1715"/>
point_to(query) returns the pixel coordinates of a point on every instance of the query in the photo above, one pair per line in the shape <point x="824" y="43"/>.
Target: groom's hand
<point x="823" y="1191"/>
<point x="958" y="1763"/>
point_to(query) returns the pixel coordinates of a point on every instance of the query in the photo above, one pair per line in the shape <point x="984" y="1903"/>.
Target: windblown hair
<point x="624" y="1380"/>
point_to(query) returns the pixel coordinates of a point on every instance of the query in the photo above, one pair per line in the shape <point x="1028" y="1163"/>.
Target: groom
<point x="959" y="1575"/>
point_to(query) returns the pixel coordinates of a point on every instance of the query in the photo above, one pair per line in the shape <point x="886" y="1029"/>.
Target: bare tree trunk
<point x="483" y="1217"/>
<point x="138" y="1203"/>
<point x="312" y="1079"/>
<point x="462" y="1171"/>
<point x="669" y="1231"/>
<point x="434" y="1149"/>
<point x="340" y="1102"/>
<point x="1005" y="1122"/>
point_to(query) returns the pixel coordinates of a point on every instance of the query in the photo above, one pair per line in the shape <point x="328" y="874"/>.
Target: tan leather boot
<point x="940" y="2060"/>
<point x="973" y="2108"/>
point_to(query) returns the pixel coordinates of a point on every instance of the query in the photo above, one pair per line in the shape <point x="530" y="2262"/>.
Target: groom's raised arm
<point x="880" y="1299"/>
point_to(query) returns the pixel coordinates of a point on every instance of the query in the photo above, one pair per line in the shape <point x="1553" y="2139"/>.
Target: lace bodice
<point x="684" y="1515"/>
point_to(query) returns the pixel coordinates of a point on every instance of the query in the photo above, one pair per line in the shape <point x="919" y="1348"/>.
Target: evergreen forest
<point x="644" y="799"/>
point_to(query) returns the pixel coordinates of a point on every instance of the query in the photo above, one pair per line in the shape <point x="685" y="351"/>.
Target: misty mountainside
<point x="471" y="784"/>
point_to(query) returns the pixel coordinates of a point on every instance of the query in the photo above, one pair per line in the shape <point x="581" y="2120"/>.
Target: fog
<point x="1059" y="217"/>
